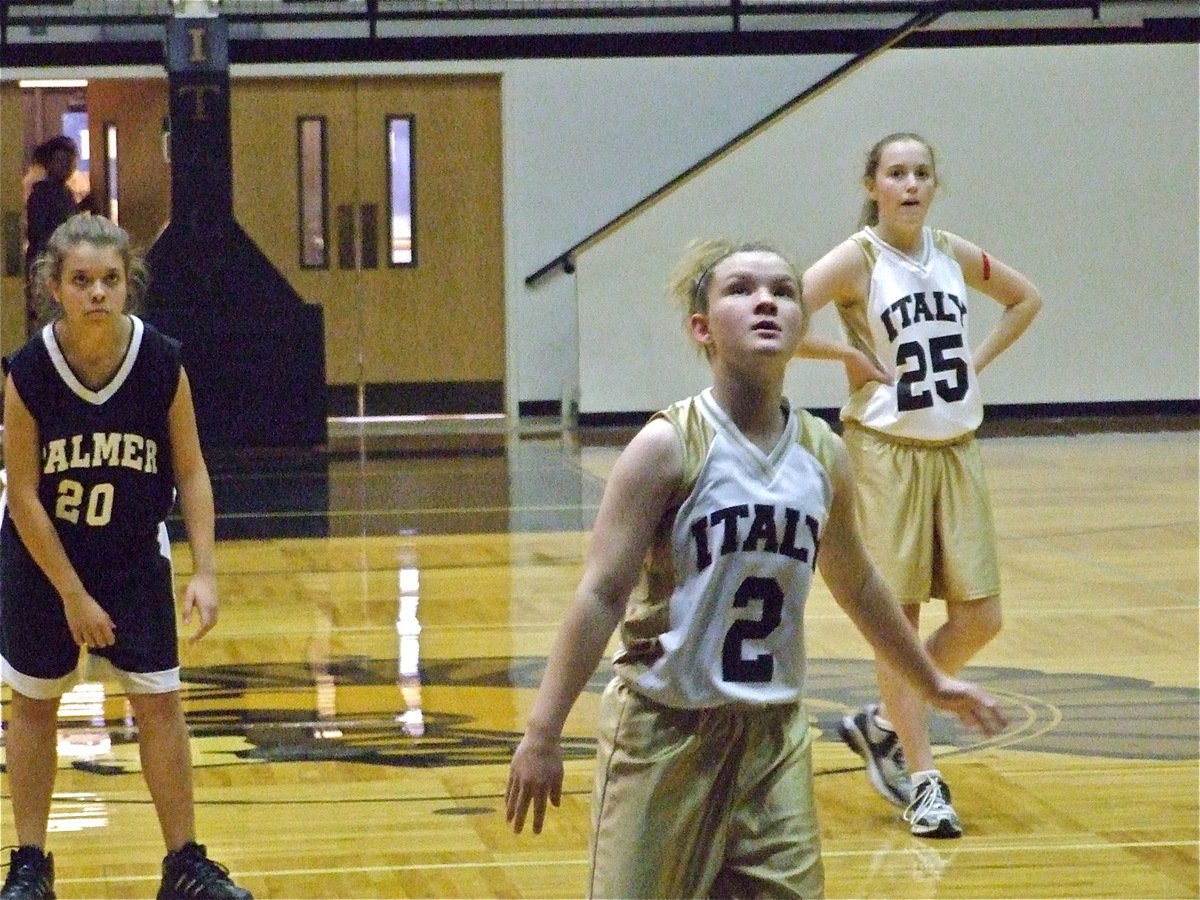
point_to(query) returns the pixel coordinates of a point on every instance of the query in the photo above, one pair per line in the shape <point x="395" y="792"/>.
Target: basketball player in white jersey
<point x="900" y="288"/>
<point x="703" y="783"/>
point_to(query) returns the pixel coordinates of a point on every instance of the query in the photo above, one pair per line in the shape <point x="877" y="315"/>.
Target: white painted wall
<point x="1076" y="164"/>
<point x="585" y="141"/>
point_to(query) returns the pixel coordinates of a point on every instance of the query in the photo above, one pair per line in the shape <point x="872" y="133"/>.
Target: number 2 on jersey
<point x="760" y="668"/>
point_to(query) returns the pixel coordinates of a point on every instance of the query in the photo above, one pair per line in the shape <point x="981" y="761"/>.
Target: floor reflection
<point x="918" y="863"/>
<point x="408" y="656"/>
<point x="322" y="657"/>
<point x="83" y="724"/>
<point x="528" y="478"/>
<point x="77" y="811"/>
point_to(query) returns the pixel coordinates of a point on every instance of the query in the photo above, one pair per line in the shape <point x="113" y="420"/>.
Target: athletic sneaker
<point x="188" y="874"/>
<point x="880" y="748"/>
<point x="30" y="875"/>
<point x="930" y="813"/>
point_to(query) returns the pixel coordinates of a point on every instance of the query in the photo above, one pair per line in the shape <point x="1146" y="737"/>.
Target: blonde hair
<point x="692" y="277"/>
<point x="98" y="231"/>
<point x="870" y="209"/>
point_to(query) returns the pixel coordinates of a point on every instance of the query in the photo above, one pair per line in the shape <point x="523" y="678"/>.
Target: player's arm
<point x="860" y="590"/>
<point x="90" y="625"/>
<point x="196" y="505"/>
<point x="839" y="276"/>
<point x="1004" y="284"/>
<point x="635" y="498"/>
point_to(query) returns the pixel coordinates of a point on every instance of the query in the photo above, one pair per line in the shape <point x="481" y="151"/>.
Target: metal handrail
<point x="566" y="259"/>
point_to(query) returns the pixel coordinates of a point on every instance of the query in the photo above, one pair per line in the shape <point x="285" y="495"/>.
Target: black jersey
<point x="106" y="476"/>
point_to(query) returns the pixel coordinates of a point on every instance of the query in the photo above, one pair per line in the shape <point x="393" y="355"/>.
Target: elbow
<point x="847" y="588"/>
<point x="607" y="596"/>
<point x="22" y="512"/>
<point x="611" y="603"/>
<point x="1033" y="302"/>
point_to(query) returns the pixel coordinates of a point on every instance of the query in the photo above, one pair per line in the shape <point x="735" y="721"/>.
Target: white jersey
<point x="731" y="564"/>
<point x="914" y="325"/>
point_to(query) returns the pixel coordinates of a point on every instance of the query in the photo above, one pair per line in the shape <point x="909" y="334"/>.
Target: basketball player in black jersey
<point x="99" y="434"/>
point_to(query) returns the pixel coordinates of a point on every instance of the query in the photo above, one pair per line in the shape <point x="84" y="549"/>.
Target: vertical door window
<point x="75" y="126"/>
<point x="110" y="171"/>
<point x="402" y="242"/>
<point x="312" y="166"/>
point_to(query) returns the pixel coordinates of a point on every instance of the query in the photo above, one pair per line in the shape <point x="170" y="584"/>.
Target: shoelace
<point x="200" y="872"/>
<point x="926" y="799"/>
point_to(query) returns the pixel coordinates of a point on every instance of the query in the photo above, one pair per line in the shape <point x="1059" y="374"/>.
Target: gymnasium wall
<point x="1078" y="165"/>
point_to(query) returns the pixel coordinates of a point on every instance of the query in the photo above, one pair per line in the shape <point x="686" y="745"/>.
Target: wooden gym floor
<point x="388" y="604"/>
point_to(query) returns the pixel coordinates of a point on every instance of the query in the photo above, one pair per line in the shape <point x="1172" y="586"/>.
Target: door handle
<point x="358" y="241"/>
<point x="345" y="237"/>
<point x="368" y="215"/>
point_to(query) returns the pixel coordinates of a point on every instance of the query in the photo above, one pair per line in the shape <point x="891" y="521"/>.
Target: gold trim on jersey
<point x="647" y="616"/>
<point x="855" y="323"/>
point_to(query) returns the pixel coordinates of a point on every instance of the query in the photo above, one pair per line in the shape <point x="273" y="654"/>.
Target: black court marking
<point x="1076" y="714"/>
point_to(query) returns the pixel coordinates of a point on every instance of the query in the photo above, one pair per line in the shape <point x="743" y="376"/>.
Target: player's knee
<point x="985" y="621"/>
<point x="159" y="708"/>
<point x="34" y="710"/>
<point x="972" y="624"/>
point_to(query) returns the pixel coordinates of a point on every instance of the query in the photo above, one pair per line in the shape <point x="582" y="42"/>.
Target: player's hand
<point x="536" y="774"/>
<point x="860" y="369"/>
<point x="201" y="598"/>
<point x="90" y="625"/>
<point x="974" y="707"/>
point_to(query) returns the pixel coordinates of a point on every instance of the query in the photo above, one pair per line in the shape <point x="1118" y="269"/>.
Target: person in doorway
<point x="703" y="780"/>
<point x="900" y="288"/>
<point x="34" y="173"/>
<point x="50" y="203"/>
<point x="99" y="435"/>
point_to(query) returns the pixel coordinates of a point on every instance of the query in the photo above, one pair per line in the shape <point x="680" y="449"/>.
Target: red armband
<point x="987" y="266"/>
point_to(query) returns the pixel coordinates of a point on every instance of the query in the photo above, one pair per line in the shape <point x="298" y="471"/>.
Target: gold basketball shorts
<point x="926" y="515"/>
<point x="703" y="803"/>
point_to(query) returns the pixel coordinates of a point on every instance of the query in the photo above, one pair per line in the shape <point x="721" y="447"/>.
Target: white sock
<point x="924" y="775"/>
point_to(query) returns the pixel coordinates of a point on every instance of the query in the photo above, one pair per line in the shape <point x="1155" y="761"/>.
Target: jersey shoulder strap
<point x="869" y="249"/>
<point x="696" y="435"/>
<point x="816" y="436"/>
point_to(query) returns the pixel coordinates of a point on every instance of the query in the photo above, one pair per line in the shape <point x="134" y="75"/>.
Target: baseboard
<point x="1024" y="418"/>
<point x="411" y="398"/>
<point x="539" y="408"/>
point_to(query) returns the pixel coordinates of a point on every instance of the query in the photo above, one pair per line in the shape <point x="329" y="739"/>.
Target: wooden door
<point x="12" y="206"/>
<point x="400" y="338"/>
<point x="136" y="110"/>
